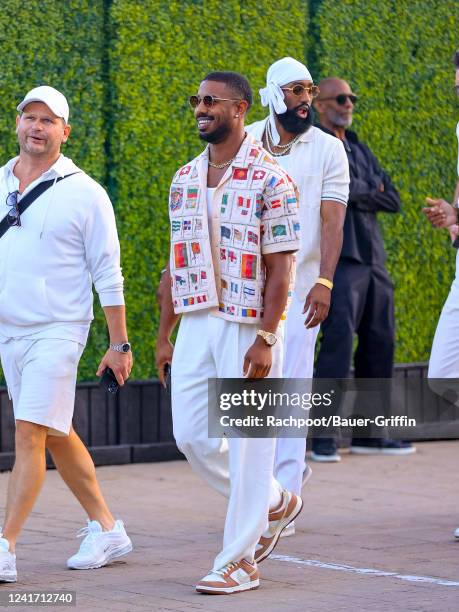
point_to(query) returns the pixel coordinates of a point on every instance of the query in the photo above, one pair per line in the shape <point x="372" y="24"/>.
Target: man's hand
<point x="440" y="213"/>
<point x="120" y="363"/>
<point x="317" y="305"/>
<point x="258" y="360"/>
<point x="164" y="352"/>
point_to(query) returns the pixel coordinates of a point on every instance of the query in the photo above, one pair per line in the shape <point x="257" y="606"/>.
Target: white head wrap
<point x="280" y="73"/>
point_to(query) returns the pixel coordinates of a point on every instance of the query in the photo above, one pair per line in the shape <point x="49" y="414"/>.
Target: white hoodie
<point x="66" y="241"/>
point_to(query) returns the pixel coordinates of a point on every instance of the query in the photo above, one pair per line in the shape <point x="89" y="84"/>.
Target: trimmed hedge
<point x="127" y="68"/>
<point x="49" y="42"/>
<point x="159" y="53"/>
<point x="396" y="54"/>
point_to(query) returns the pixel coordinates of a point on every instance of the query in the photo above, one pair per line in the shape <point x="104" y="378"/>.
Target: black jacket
<point x="362" y="237"/>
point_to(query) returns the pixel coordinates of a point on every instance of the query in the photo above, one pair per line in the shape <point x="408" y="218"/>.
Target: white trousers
<point x="299" y="347"/>
<point x="240" y="468"/>
<point x="444" y="357"/>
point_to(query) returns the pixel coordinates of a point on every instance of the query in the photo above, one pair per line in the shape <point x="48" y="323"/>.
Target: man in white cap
<point x="317" y="163"/>
<point x="57" y="236"/>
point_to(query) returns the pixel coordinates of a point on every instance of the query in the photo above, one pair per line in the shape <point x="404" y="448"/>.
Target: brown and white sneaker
<point x="233" y="578"/>
<point x="290" y="507"/>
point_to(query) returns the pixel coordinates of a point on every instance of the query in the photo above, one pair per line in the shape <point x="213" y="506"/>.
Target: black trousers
<point x="363" y="304"/>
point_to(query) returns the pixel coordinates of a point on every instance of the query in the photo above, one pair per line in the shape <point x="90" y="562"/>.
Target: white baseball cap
<point x="53" y="99"/>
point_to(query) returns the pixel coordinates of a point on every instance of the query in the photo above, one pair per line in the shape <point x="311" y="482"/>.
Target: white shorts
<point x="41" y="377"/>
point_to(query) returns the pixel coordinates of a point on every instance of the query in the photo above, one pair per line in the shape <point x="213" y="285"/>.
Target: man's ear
<point x="67" y="130"/>
<point x="242" y="108"/>
<point x="318" y="106"/>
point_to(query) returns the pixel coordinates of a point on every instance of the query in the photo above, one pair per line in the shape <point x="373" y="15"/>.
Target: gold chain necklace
<point x="270" y="143"/>
<point x="223" y="165"/>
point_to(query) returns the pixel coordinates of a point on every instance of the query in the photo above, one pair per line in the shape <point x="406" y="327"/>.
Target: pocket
<point x="23" y="300"/>
<point x="58" y="358"/>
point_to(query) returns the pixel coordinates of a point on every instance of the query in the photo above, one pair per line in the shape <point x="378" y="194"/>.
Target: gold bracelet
<point x="325" y="282"/>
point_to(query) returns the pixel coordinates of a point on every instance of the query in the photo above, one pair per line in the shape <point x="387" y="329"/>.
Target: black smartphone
<point x="167" y="377"/>
<point x="108" y="381"/>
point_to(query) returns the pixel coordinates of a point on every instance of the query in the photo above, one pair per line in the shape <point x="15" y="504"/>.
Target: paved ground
<point x="375" y="535"/>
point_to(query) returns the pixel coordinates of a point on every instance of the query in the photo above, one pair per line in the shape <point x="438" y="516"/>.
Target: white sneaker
<point x="8" y="571"/>
<point x="456" y="534"/>
<point x="233" y="578"/>
<point x="99" y="547"/>
<point x="290" y="507"/>
<point x="288" y="531"/>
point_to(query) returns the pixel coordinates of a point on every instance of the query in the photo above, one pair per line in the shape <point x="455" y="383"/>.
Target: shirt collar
<point x="56" y="170"/>
<point x="349" y="134"/>
<point x="243" y="159"/>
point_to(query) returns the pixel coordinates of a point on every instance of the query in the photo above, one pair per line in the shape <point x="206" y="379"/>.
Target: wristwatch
<point x="124" y="347"/>
<point x="268" y="337"/>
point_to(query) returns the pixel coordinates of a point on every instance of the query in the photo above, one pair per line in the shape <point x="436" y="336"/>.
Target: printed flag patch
<point x="180" y="255"/>
<point x="240" y="174"/>
<point x="176" y="198"/>
<point x="249" y="266"/>
<point x="279" y="230"/>
<point x="249" y="312"/>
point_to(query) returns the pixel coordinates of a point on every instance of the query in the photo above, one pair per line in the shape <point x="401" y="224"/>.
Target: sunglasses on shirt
<point x="298" y="90"/>
<point x="13" y="217"/>
<point x="341" y="99"/>
<point x="209" y="101"/>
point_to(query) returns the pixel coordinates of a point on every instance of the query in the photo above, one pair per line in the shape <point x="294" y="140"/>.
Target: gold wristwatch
<point x="268" y="337"/>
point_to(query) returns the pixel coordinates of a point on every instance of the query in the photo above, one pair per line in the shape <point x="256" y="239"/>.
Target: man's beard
<point x="294" y="124"/>
<point x="216" y="136"/>
<point x="336" y="119"/>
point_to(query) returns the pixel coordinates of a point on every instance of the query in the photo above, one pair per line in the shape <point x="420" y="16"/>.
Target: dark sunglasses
<point x="208" y="101"/>
<point x="341" y="98"/>
<point x="13" y="216"/>
<point x="298" y="90"/>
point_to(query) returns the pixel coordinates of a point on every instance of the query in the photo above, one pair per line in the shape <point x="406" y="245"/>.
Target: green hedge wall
<point x="396" y="54"/>
<point x="127" y="68"/>
<point x="159" y="53"/>
<point x="49" y="42"/>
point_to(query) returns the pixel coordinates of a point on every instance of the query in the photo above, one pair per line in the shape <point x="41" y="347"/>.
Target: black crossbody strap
<point x="27" y="200"/>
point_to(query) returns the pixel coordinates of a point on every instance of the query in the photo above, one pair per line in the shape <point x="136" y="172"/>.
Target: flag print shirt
<point x="254" y="213"/>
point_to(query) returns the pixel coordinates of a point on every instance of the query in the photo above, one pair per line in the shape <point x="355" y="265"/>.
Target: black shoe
<point x="381" y="446"/>
<point x="325" y="450"/>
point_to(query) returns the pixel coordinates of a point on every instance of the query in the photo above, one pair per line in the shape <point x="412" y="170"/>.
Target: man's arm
<point x="167" y="322"/>
<point x="317" y="302"/>
<point x="258" y="359"/>
<point x="102" y="250"/>
<point x="440" y="213"/>
<point x="120" y="363"/>
<point x="375" y="192"/>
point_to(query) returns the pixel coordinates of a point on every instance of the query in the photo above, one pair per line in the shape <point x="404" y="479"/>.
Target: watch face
<point x="271" y="339"/>
<point x="126" y="347"/>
